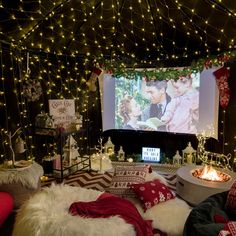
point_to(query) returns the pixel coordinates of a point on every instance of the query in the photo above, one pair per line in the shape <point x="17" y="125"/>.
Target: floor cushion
<point x="21" y="183"/>
<point x="6" y="206"/>
<point x="202" y="219"/>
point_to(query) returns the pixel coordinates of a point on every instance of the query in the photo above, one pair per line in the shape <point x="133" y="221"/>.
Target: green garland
<point x="159" y="74"/>
<point x="170" y="73"/>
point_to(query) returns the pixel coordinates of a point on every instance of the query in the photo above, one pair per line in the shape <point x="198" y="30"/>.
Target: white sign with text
<point x="62" y="111"/>
<point x="151" y="154"/>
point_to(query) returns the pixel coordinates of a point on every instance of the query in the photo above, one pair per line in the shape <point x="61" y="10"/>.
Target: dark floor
<point x="7" y="227"/>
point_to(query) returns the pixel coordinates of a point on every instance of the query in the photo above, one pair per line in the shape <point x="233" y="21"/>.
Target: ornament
<point x="19" y="145"/>
<point x="208" y="64"/>
<point x="130" y="159"/>
<point x="109" y="72"/>
<point x="44" y="120"/>
<point x="32" y="90"/>
<point x="78" y="121"/>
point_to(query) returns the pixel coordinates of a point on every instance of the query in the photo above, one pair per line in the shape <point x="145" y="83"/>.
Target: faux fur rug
<point x="28" y="176"/>
<point x="46" y="214"/>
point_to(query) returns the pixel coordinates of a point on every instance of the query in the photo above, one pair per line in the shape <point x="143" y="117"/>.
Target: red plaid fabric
<point x="231" y="199"/>
<point x="229" y="229"/>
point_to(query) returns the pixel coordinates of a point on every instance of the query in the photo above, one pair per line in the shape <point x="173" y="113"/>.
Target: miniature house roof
<point x="189" y="149"/>
<point x="177" y="155"/>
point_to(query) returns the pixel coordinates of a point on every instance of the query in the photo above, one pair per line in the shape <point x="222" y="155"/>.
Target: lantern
<point x="177" y="159"/>
<point x="189" y="154"/>
<point x="121" y="154"/>
<point x="109" y="147"/>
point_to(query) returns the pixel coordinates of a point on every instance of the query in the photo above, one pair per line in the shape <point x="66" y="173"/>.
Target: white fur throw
<point x="28" y="176"/>
<point x="169" y="216"/>
<point x="46" y="214"/>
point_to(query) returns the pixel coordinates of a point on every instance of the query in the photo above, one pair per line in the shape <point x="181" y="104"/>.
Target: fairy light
<point x="142" y="21"/>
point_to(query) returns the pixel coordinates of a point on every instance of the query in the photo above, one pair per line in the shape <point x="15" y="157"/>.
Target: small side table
<point x="21" y="183"/>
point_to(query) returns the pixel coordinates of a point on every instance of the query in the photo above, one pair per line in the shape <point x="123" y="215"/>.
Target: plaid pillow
<point x="124" y="176"/>
<point x="230" y="204"/>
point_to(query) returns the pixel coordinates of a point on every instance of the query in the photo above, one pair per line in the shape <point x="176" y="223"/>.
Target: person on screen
<point x="155" y="90"/>
<point x="182" y="112"/>
<point x="130" y="112"/>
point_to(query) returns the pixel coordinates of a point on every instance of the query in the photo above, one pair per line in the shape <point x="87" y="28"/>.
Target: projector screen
<point x="188" y="105"/>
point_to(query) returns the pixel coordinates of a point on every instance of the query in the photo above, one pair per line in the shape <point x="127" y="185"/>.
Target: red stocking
<point x="222" y="76"/>
<point x="91" y="83"/>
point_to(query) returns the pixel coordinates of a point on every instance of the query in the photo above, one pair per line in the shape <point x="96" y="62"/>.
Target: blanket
<point x="109" y="205"/>
<point x="229" y="229"/>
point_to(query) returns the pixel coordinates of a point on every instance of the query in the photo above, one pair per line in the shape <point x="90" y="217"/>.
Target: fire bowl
<point x="210" y="174"/>
<point x="194" y="190"/>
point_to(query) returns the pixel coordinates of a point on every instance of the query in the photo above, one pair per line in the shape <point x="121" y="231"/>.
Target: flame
<point x="209" y="173"/>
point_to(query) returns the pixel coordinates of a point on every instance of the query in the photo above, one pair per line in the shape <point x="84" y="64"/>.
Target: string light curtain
<point x="143" y="30"/>
<point x="63" y="36"/>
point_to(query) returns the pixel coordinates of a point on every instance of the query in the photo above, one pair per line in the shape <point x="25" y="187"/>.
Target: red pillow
<point x="6" y="206"/>
<point x="231" y="199"/>
<point x="152" y="192"/>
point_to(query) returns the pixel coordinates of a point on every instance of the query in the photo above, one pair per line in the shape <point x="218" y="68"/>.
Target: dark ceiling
<point x="139" y="29"/>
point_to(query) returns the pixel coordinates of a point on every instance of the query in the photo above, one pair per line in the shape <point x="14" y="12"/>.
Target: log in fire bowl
<point x="196" y="183"/>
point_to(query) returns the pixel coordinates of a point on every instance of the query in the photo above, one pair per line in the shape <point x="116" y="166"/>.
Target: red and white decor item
<point x="91" y="83"/>
<point x="152" y="192"/>
<point x="222" y="76"/>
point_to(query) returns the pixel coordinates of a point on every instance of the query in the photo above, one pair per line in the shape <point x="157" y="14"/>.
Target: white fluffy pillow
<point x="169" y="216"/>
<point x="155" y="175"/>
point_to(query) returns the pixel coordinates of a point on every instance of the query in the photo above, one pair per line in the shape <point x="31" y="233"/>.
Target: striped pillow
<point x="124" y="177"/>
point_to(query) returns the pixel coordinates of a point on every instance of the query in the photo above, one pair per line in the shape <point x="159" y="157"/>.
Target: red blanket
<point x="229" y="229"/>
<point x="108" y="206"/>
